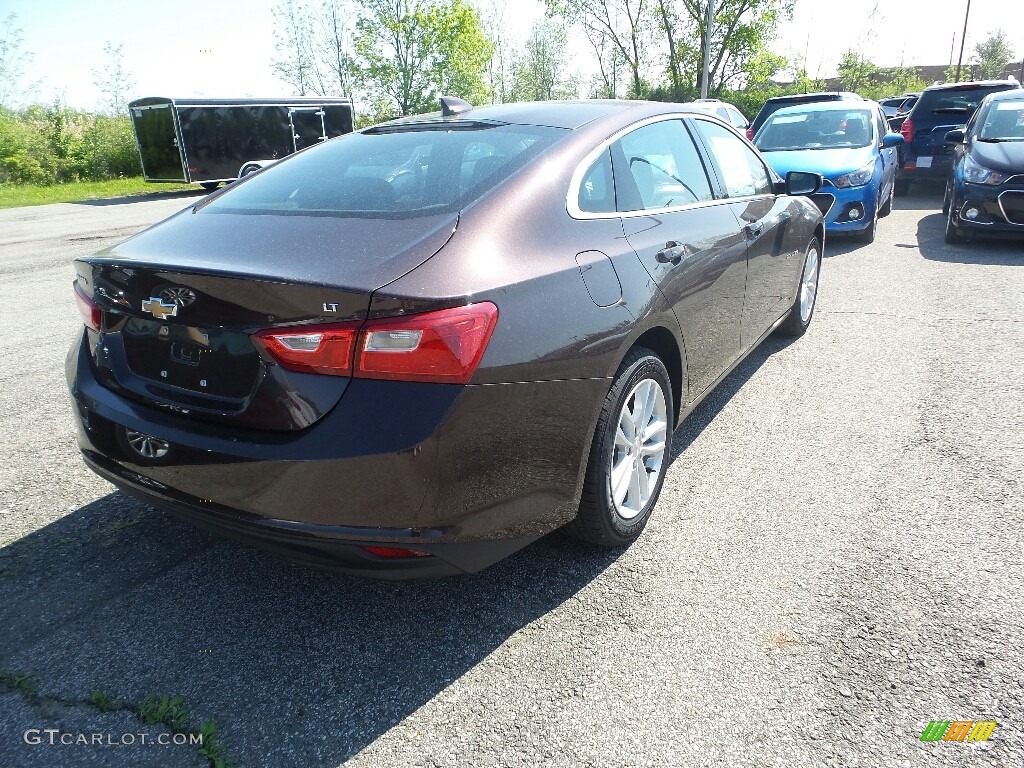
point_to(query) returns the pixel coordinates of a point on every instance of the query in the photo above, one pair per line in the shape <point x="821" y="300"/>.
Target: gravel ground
<point x="836" y="560"/>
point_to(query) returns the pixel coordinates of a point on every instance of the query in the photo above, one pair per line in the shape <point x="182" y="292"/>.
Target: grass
<point x="102" y="701"/>
<point x="169" y="711"/>
<point x="23" y="684"/>
<point x="165" y="710"/>
<point x="18" y="195"/>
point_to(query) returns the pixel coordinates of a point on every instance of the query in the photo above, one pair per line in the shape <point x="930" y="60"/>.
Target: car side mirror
<point x="892" y="140"/>
<point x="802" y="183"/>
<point x="955" y="137"/>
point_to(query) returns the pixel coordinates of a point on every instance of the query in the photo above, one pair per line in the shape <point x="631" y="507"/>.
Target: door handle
<point x="754" y="229"/>
<point x="672" y="253"/>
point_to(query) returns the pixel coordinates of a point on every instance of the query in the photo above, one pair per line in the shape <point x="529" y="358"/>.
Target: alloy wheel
<point x="809" y="285"/>
<point x="638" y="453"/>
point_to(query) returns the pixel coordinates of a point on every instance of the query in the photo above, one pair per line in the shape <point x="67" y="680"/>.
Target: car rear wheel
<point x="800" y="315"/>
<point x="629" y="453"/>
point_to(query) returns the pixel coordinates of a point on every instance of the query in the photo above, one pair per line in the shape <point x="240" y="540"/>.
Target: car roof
<point x="1009" y="95"/>
<point x="555" y="114"/>
<point x="819" y="96"/>
<point x="824" y="106"/>
<point x="973" y="84"/>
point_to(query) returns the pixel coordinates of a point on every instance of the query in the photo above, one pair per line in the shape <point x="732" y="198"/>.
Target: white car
<point x="720" y="109"/>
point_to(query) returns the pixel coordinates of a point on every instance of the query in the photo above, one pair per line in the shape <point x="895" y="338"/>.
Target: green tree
<point x="992" y="55"/>
<point x="539" y="74"/>
<point x="620" y="31"/>
<point x="856" y="72"/>
<point x="114" y="80"/>
<point x="293" y="51"/>
<point x="740" y="34"/>
<point x="408" y="52"/>
<point x="14" y="61"/>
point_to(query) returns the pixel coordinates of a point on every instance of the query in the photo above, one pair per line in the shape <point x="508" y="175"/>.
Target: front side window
<point x="742" y="171"/>
<point x="401" y="171"/>
<point x="658" y="166"/>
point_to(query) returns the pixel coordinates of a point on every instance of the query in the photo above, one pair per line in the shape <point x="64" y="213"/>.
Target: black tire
<point x="209" y="186"/>
<point x="954" y="235"/>
<point x="598" y="521"/>
<point x="794" y="324"/>
<point x="886" y="208"/>
<point x="902" y="188"/>
<point x="867" y="235"/>
<point x="946" y="198"/>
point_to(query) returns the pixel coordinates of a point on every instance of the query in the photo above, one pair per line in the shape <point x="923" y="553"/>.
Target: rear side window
<point x="597" y="190"/>
<point x="398" y="172"/>
<point x="742" y="171"/>
<point x="658" y="166"/>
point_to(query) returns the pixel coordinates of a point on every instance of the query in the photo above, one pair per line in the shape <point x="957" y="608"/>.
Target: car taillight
<point x="907" y="129"/>
<point x="750" y="134"/>
<point x="312" y="348"/>
<point x="444" y="346"/>
<point x="91" y="313"/>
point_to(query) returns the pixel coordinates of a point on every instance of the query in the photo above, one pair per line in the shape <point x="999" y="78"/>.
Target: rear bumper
<point x="910" y="170"/>
<point x="334" y="548"/>
<point x="467" y="474"/>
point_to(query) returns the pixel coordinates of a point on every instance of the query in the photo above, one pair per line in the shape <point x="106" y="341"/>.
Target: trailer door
<point x="157" y="137"/>
<point x="307" y="126"/>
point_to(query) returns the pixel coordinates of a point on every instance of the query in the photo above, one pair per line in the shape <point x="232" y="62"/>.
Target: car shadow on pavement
<point x="297" y="667"/>
<point x="705" y="413"/>
<point x="933" y="246"/>
<point x="144" y="197"/>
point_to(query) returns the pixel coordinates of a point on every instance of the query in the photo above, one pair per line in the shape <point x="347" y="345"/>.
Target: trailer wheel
<point x="209" y="186"/>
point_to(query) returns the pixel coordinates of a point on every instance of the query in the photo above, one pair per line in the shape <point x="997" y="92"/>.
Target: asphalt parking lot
<point x="835" y="561"/>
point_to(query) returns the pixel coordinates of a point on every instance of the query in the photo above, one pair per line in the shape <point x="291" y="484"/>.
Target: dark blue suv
<point x="942" y="108"/>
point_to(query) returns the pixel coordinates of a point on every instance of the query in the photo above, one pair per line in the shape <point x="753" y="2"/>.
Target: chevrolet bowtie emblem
<point x="159" y="309"/>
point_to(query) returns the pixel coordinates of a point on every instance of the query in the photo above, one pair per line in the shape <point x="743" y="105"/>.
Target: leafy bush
<point x="49" y="145"/>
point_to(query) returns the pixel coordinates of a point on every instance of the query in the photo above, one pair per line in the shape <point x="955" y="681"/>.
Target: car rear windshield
<point x="821" y="129"/>
<point x="1004" y="120"/>
<point x="400" y="171"/>
<point x="955" y="101"/>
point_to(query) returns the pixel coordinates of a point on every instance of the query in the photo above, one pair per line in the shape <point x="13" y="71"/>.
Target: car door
<point x="889" y="156"/>
<point x="687" y="240"/>
<point x="774" y="255"/>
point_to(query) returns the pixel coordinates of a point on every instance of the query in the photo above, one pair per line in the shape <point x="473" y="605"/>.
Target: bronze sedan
<point x="412" y="350"/>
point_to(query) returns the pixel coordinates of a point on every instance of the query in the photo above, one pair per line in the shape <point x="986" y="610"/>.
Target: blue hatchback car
<point x="850" y="145"/>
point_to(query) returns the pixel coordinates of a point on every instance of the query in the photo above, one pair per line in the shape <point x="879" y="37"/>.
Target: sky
<point x="223" y="48"/>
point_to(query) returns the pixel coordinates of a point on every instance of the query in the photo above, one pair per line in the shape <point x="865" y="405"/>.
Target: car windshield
<point x="398" y="171"/>
<point x="1003" y="121"/>
<point x="824" y="129"/>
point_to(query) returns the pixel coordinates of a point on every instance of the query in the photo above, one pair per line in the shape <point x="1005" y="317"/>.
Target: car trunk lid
<point x="181" y="301"/>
